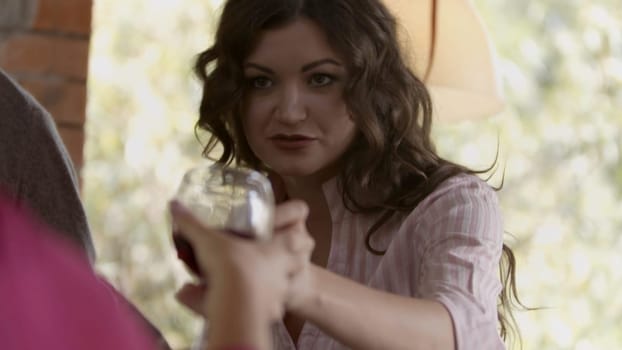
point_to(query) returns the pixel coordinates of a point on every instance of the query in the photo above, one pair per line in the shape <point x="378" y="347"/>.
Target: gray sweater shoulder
<point x="35" y="167"/>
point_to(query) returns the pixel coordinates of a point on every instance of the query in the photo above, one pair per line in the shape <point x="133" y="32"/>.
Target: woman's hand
<point x="291" y="228"/>
<point x="264" y="273"/>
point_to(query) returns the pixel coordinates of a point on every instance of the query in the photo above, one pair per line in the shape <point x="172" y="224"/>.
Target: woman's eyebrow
<point x="317" y="63"/>
<point x="258" y="67"/>
<point x="305" y="68"/>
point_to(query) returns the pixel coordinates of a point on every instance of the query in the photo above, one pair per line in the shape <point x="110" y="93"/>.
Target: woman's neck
<point x="307" y="189"/>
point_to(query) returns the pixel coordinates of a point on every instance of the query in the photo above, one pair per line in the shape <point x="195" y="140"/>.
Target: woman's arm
<point x="364" y="318"/>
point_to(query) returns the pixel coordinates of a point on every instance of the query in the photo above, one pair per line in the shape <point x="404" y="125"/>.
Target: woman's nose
<point x="291" y="108"/>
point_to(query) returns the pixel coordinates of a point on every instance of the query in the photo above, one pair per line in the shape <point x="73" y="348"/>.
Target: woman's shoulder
<point x="463" y="205"/>
<point x="460" y="186"/>
<point x="457" y="194"/>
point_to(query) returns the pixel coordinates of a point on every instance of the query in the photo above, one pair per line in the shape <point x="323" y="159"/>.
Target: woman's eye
<point x="260" y="83"/>
<point x="321" y="80"/>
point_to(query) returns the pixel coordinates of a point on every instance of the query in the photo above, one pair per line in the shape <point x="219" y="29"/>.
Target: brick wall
<point x="44" y="44"/>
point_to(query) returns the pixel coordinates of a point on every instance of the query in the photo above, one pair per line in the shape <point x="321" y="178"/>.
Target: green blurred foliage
<point x="560" y="141"/>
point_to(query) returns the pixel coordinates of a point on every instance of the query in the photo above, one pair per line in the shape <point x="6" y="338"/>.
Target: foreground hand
<point x="238" y="268"/>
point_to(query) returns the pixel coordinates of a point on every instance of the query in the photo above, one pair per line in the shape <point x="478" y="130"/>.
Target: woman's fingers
<point x="291" y="236"/>
<point x="290" y="226"/>
<point x="296" y="240"/>
<point x="192" y="296"/>
<point x="290" y="213"/>
<point x="295" y="248"/>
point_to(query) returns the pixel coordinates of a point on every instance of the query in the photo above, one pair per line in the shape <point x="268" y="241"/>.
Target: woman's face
<point x="295" y="118"/>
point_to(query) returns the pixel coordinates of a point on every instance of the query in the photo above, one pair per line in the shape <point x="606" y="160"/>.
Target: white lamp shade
<point x="463" y="77"/>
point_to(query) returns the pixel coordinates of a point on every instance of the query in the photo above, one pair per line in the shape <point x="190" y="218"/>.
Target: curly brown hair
<point x="392" y="159"/>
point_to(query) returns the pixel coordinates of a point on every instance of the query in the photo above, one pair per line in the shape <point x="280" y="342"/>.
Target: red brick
<point x="67" y="16"/>
<point x="27" y="54"/>
<point x="66" y="101"/>
<point x="74" y="141"/>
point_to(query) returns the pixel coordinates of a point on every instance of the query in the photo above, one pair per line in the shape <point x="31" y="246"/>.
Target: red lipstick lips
<point x="292" y="142"/>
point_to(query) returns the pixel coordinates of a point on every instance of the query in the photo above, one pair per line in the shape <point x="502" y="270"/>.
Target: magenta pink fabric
<point x="51" y="299"/>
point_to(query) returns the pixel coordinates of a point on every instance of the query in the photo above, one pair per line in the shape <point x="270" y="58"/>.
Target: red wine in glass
<point x="185" y="252"/>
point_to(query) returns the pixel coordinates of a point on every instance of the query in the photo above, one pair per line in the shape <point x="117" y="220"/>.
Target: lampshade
<point x="449" y="49"/>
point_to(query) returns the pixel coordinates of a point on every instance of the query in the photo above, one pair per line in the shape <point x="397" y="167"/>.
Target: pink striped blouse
<point x="447" y="249"/>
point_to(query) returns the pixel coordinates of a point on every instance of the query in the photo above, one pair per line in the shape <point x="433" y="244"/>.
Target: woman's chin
<point x="298" y="172"/>
<point x="306" y="173"/>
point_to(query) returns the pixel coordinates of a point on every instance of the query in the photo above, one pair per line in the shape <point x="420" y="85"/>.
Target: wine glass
<point x="235" y="200"/>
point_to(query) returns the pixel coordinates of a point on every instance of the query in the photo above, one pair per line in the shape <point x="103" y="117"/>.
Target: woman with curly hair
<point x="317" y="95"/>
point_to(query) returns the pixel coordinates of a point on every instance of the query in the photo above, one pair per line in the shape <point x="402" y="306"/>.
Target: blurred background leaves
<point x="560" y="141"/>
